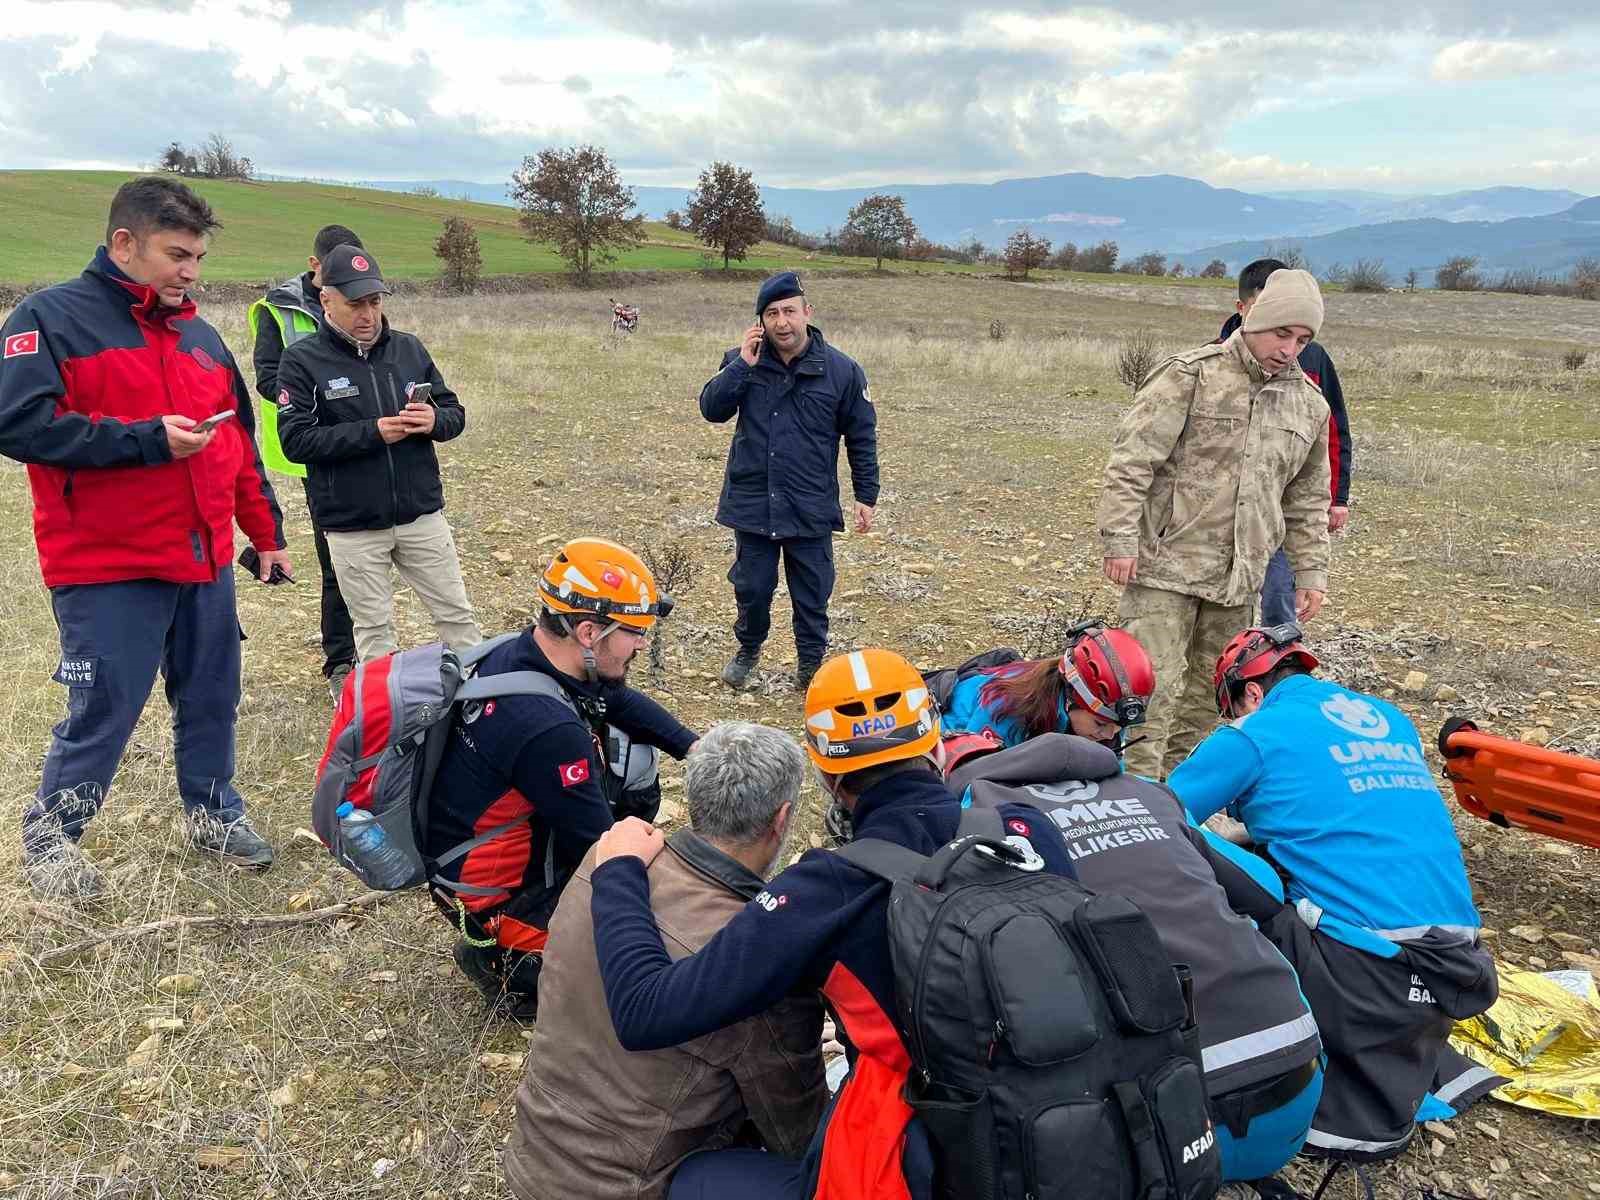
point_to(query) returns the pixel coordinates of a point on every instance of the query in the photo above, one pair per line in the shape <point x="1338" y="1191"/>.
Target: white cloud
<point x="1476" y="60"/>
<point x="898" y="91"/>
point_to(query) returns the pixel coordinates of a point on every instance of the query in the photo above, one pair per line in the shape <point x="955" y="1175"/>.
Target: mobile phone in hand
<point x="213" y="421"/>
<point x="420" y="393"/>
<point x="251" y="561"/>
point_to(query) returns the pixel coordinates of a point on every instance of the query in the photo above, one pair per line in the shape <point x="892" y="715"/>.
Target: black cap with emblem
<point x="353" y="271"/>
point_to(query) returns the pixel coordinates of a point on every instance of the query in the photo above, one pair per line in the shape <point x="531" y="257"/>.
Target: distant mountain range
<point x="1506" y="226"/>
<point x="1549" y="244"/>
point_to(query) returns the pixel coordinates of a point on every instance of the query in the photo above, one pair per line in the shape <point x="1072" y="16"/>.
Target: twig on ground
<point x="224" y="919"/>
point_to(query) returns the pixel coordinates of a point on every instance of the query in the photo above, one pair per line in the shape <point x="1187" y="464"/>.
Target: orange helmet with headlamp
<point x="591" y="577"/>
<point x="866" y="708"/>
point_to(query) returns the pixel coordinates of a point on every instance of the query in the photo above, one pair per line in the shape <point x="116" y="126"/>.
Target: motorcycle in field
<point x="624" y="317"/>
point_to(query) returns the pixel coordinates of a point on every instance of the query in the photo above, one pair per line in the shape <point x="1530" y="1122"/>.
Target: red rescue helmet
<point x="1253" y="654"/>
<point x="1108" y="673"/>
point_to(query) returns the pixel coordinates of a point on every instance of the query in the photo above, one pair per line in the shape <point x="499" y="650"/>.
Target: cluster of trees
<point x="212" y="159"/>
<point x="1462" y="274"/>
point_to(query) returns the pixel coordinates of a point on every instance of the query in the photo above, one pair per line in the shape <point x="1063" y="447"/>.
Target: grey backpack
<point x="388" y="737"/>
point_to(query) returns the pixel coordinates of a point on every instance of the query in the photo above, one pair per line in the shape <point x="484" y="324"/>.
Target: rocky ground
<point x="345" y="1057"/>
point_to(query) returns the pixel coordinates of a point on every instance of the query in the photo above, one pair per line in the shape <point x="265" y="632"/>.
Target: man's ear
<point x="780" y="820"/>
<point x="124" y="244"/>
<point x="313" y="263"/>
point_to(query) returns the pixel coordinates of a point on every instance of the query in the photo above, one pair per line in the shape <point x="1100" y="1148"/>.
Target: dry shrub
<point x="1137" y="357"/>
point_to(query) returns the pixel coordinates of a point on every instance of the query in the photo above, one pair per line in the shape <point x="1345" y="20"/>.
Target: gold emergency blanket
<point x="1543" y="1034"/>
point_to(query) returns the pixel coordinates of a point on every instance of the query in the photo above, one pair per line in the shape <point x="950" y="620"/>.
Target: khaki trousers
<point x="424" y="553"/>
<point x="1183" y="635"/>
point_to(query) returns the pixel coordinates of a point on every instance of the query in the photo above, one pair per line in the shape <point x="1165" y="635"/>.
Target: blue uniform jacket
<point x="782" y="478"/>
<point x="522" y="754"/>
<point x="1334" y="785"/>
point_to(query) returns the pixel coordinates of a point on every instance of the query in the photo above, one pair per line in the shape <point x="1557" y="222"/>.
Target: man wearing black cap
<point x="288" y="312"/>
<point x="795" y="397"/>
<point x="361" y="405"/>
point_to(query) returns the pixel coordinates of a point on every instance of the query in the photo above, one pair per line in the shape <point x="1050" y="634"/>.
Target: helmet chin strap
<point x="591" y="668"/>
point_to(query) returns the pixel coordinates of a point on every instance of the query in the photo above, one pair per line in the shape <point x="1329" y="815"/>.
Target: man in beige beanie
<point x="1220" y="460"/>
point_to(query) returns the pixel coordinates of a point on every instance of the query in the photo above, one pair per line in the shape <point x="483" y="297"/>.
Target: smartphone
<point x="251" y="561"/>
<point x="213" y="421"/>
<point x="420" y="393"/>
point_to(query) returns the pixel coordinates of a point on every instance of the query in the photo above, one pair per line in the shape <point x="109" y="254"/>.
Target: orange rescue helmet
<point x="866" y="708"/>
<point x="591" y="577"/>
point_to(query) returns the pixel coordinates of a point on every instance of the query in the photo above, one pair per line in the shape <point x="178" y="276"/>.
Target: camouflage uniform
<point x="1213" y="468"/>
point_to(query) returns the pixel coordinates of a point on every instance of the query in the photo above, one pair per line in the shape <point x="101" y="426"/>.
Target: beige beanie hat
<point x="1290" y="298"/>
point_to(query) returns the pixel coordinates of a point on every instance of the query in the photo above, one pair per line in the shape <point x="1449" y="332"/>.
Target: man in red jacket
<point x="135" y="425"/>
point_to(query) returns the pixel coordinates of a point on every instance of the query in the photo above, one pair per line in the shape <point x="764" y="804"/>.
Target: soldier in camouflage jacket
<point x="1219" y="461"/>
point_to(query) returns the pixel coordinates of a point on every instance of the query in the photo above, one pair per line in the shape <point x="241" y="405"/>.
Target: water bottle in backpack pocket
<point x="366" y="850"/>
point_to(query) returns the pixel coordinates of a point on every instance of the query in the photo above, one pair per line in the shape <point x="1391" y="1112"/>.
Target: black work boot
<point x="737" y="673"/>
<point x="804" y="670"/>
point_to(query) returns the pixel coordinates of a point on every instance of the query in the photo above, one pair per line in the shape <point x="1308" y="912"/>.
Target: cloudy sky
<point x="1394" y="96"/>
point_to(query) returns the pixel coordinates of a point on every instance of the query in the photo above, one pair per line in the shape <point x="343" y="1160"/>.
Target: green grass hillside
<point x="54" y="219"/>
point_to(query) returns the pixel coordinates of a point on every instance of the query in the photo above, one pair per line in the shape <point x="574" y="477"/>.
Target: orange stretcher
<point x="1527" y="787"/>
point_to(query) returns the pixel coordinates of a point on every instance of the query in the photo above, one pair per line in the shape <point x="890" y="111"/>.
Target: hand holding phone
<point x="420" y="393"/>
<point x="750" y="348"/>
<point x="214" y="420"/>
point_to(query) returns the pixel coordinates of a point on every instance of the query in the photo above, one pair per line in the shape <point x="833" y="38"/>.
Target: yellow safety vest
<point x="293" y="324"/>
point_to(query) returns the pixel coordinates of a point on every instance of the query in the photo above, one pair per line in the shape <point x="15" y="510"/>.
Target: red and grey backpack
<point x="387" y="739"/>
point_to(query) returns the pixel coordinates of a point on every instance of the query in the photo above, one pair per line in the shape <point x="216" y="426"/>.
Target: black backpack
<point x="942" y="681"/>
<point x="1053" y="1044"/>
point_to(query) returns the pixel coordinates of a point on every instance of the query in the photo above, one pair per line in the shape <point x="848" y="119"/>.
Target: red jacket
<point x="87" y="371"/>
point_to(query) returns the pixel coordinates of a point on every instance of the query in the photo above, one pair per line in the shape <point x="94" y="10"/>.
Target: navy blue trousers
<point x="808" y="568"/>
<point x="1277" y="591"/>
<point x="114" y="638"/>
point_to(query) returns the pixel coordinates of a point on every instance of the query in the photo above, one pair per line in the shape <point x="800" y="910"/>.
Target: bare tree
<point x="175" y="158"/>
<point x="880" y="223"/>
<point x="457" y="248"/>
<point x="1100" y="259"/>
<point x="1215" y="269"/>
<point x="675" y="563"/>
<point x="1585" y="278"/>
<point x="673" y="219"/>
<point x="1137" y="357"/>
<point x="1025" y="252"/>
<point x="1411" y="280"/>
<point x="575" y="199"/>
<point x="725" y="211"/>
<point x="1368" y="275"/>
<point x="1290" y="254"/>
<point x="1458" y="274"/>
<point x="1066" y="258"/>
<point x="1177" y="271"/>
<point x="217" y="158"/>
<point x="1151" y="263"/>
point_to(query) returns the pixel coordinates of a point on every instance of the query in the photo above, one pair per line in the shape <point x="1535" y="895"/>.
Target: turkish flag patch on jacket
<point x="574" y="772"/>
<point x="19" y="344"/>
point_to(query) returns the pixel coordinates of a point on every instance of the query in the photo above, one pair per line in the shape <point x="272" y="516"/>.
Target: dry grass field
<point x="346" y="1058"/>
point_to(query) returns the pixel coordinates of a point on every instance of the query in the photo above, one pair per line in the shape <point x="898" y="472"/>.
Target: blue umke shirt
<point x="1334" y="784"/>
<point x="967" y="713"/>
